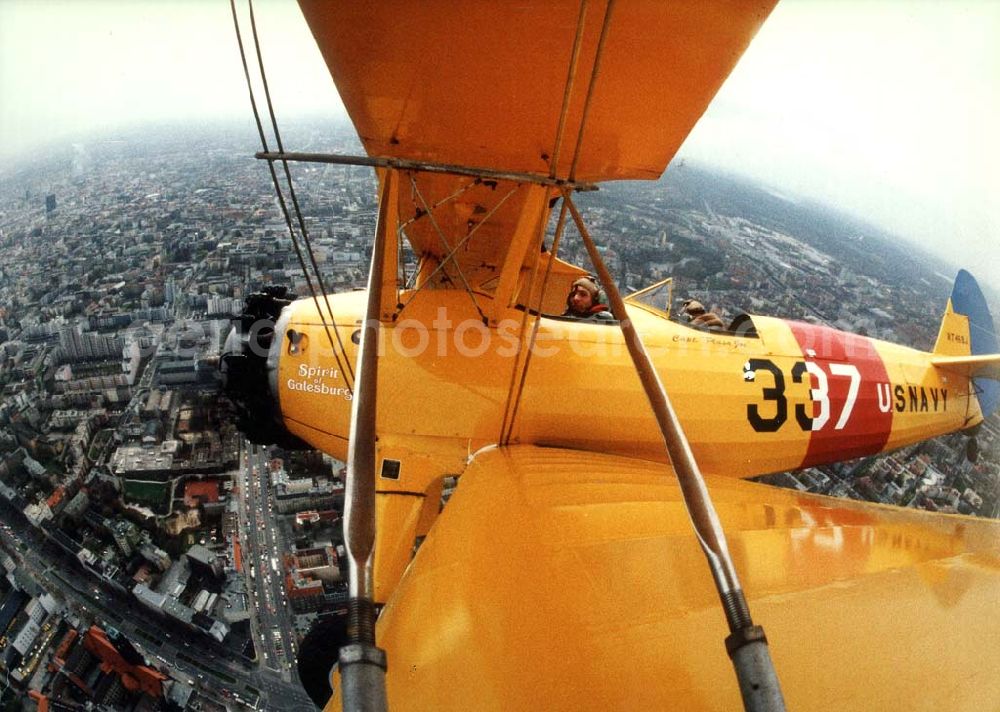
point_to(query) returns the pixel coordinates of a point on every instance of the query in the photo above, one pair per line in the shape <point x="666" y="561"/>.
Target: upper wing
<point x="481" y="83"/>
<point x="563" y="580"/>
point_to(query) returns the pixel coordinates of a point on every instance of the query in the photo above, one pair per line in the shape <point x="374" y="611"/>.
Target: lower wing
<point x="565" y="580"/>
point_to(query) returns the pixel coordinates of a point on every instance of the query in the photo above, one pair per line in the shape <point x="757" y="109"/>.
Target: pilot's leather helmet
<point x="589" y="284"/>
<point x="693" y="307"/>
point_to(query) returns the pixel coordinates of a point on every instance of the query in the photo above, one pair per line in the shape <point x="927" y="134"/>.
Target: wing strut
<point x="746" y="643"/>
<point x="345" y="367"/>
<point x="362" y="664"/>
<point x="507" y="427"/>
<point x="403" y="164"/>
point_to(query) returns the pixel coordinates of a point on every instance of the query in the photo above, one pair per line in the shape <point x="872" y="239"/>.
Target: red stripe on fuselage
<point x="867" y="428"/>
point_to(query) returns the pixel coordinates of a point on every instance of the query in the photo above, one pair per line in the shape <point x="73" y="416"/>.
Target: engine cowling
<point x="245" y="365"/>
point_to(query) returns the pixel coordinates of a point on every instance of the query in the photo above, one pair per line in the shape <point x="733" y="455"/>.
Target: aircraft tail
<point x="967" y="341"/>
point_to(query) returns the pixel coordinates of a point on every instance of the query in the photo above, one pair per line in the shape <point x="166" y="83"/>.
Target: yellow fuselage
<point x="794" y="395"/>
<point x="791" y="396"/>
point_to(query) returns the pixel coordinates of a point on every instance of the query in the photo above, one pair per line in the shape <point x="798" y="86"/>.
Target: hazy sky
<point x="884" y="108"/>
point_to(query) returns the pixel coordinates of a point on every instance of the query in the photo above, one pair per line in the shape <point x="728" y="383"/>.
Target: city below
<point x="155" y="559"/>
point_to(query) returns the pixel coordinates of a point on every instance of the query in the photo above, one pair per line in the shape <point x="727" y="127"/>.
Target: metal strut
<point x="362" y="664"/>
<point x="402" y="164"/>
<point x="594" y="74"/>
<point x="508" y="431"/>
<point x="746" y="644"/>
<point x="574" y="63"/>
<point x="523" y="357"/>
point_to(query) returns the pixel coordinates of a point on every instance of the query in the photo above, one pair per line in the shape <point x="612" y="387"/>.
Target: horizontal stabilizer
<point x="983" y="366"/>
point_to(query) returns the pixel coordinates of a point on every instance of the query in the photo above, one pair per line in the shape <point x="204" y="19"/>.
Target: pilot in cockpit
<point x="699" y="317"/>
<point x="586" y="301"/>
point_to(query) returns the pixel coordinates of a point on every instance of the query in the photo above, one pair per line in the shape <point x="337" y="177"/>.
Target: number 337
<point x="819" y="395"/>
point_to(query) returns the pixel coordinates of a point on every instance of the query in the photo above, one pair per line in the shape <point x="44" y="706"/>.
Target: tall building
<point x="204" y="561"/>
<point x="223" y="306"/>
<point x="310" y="578"/>
<point x="85" y="346"/>
<point x="119" y="657"/>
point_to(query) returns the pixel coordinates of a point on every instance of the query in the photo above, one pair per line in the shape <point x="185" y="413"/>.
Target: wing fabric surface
<point x="563" y="580"/>
<point x="481" y="83"/>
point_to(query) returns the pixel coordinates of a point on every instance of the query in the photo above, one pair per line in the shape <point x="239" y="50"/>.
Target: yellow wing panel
<point x="562" y="580"/>
<point x="482" y="83"/>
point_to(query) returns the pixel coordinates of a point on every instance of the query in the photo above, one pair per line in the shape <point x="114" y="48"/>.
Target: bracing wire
<point x="280" y="194"/>
<point x="408" y="282"/>
<point x="450" y="257"/>
<point x="447" y="246"/>
<point x="434" y="206"/>
<point x="295" y="201"/>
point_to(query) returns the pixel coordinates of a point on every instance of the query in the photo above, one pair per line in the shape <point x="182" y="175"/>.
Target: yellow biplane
<point x="600" y="462"/>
